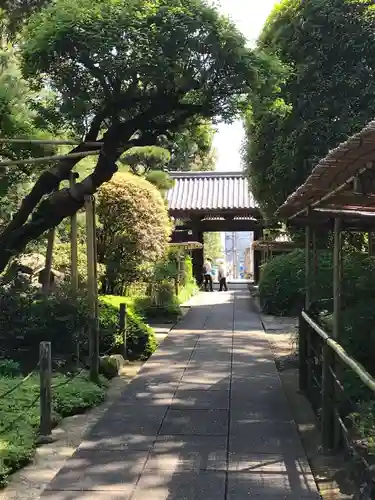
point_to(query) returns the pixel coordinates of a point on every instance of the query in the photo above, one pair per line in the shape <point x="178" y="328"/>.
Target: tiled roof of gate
<point x="200" y="191"/>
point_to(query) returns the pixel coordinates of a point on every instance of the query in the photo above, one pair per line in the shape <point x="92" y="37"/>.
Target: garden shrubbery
<point x="171" y="283"/>
<point x="141" y="341"/>
<point x="281" y="291"/>
<point x="282" y="284"/>
<point x="19" y="414"/>
<point x="29" y="317"/>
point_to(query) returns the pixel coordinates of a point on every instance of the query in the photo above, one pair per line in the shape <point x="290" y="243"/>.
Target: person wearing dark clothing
<point x="222" y="275"/>
<point x="207" y="275"/>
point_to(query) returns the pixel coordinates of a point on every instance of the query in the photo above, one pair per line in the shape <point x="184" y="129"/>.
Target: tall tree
<point x="325" y="93"/>
<point x="125" y="73"/>
<point x="17" y="12"/>
<point x="213" y="246"/>
<point x="17" y="119"/>
<point x="192" y="148"/>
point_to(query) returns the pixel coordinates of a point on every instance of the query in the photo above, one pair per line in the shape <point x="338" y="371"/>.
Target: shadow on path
<point x="205" y="419"/>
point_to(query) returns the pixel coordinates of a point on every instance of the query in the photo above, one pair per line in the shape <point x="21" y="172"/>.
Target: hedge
<point x="282" y="283"/>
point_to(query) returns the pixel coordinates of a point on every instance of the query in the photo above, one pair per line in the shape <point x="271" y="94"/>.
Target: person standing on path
<point x="222" y="275"/>
<point x="207" y="274"/>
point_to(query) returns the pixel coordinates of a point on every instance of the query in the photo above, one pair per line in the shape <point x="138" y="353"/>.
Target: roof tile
<point x="210" y="191"/>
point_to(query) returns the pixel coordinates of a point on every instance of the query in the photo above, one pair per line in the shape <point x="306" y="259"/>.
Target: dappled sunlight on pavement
<point x="205" y="419"/>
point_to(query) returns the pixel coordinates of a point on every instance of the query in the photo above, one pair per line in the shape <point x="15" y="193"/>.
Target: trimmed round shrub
<point x="135" y="229"/>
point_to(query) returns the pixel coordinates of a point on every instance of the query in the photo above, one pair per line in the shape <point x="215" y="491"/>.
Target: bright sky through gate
<point x="249" y="16"/>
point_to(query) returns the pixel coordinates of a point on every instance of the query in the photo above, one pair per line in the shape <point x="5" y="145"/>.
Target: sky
<point x="249" y="16"/>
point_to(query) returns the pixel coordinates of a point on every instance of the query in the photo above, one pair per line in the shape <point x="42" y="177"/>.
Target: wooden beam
<point x="222" y="226"/>
<point x="347" y="198"/>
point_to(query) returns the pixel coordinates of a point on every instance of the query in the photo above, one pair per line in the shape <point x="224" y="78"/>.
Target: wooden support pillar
<point x="371" y="246"/>
<point x="315" y="266"/>
<point x="337" y="284"/>
<point x="337" y="278"/>
<point x="257" y="256"/>
<point x="198" y="258"/>
<point x="73" y="240"/>
<point x="49" y="257"/>
<point x="308" y="267"/>
<point x="92" y="289"/>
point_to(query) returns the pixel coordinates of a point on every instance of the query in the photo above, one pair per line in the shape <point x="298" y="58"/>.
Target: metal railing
<point x="324" y="366"/>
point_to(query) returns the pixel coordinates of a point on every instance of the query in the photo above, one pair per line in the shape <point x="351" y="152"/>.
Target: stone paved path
<point x="205" y="419"/>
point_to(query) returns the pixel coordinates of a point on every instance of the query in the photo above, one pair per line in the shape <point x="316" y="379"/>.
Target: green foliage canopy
<point x="323" y="95"/>
<point x="142" y="160"/>
<point x="127" y="72"/>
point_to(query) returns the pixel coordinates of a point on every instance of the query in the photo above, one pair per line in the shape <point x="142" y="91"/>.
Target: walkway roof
<point x="215" y="193"/>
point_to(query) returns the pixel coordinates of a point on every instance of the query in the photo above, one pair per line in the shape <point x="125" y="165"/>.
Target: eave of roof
<point x="324" y="188"/>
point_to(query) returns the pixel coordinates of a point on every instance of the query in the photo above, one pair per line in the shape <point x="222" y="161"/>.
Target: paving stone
<point x="264" y="437"/>
<point x="202" y="485"/>
<point x="126" y="428"/>
<point x="267" y="485"/>
<point x="268" y="463"/>
<point x="100" y="470"/>
<point x="166" y="437"/>
<point x="212" y="355"/>
<point x="198" y="422"/>
<point x="189" y="453"/>
<point x="222" y="385"/>
<point x="85" y="495"/>
<point x="195" y="376"/>
<point x="201" y="400"/>
<point x="126" y="441"/>
<point x="261" y="412"/>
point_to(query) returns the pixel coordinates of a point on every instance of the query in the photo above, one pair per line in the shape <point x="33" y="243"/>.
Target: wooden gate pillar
<point x="198" y="258"/>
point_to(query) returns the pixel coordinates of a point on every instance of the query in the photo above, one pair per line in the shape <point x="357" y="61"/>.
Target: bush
<point x="166" y="310"/>
<point x="141" y="341"/>
<point x="9" y="368"/>
<point x="282" y="284"/>
<point x="62" y="318"/>
<point x="30" y="317"/>
<point x="161" y="303"/>
<point x="61" y="261"/>
<point x="135" y="229"/>
<point x="19" y="422"/>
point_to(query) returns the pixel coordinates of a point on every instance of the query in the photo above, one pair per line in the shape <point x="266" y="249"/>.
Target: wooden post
<point x="315" y="264"/>
<point x="45" y="367"/>
<point x="337" y="277"/>
<point x="73" y="240"/>
<point x="328" y="394"/>
<point x="370" y="244"/>
<point x="337" y="282"/>
<point x="95" y="245"/>
<point x="308" y="274"/>
<point x="302" y="354"/>
<point x="91" y="289"/>
<point x="48" y="262"/>
<point x="123" y="327"/>
<point x="49" y="257"/>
